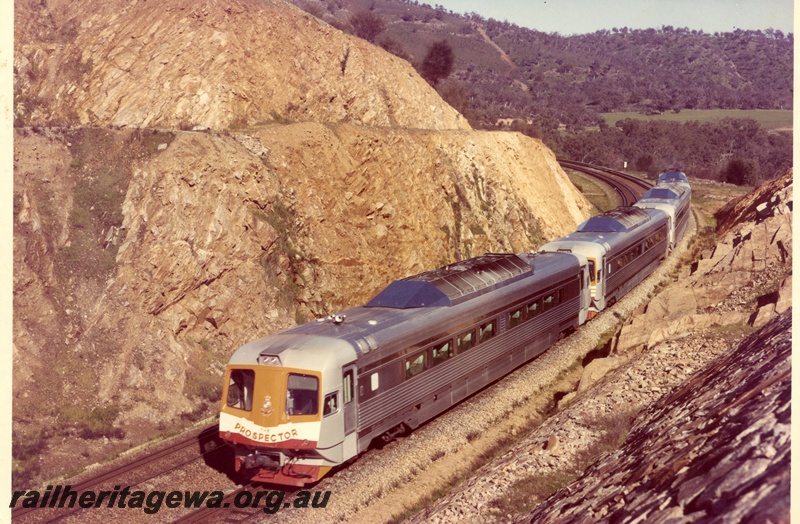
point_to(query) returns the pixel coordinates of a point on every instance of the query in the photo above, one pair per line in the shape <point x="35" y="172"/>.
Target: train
<point x="298" y="403"/>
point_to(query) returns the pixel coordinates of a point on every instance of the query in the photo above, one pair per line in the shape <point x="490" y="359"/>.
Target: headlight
<point x="269" y="360"/>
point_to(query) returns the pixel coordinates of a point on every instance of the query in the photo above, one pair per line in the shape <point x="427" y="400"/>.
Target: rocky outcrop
<point x="204" y="63"/>
<point x="716" y="449"/>
<point x="772" y="198"/>
<point x="748" y="266"/>
<point x="222" y="239"/>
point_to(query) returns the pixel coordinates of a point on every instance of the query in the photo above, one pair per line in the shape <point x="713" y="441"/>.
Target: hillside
<point x="509" y="71"/>
<point x="564" y="89"/>
<point x="174" y="200"/>
<point x="208" y="65"/>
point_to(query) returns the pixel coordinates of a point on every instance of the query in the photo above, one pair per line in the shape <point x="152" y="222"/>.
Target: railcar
<point x="674" y="200"/>
<point x="298" y="403"/>
<point x="673" y="176"/>
<point x="623" y="246"/>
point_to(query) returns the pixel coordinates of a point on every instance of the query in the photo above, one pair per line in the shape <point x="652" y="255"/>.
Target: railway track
<point x="227" y="511"/>
<point x="141" y="470"/>
<point x="174" y="456"/>
<point x="628" y="187"/>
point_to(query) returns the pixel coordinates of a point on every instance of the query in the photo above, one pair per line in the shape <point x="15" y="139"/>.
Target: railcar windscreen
<point x="672" y="176"/>
<point x="302" y="395"/>
<point x="240" y="389"/>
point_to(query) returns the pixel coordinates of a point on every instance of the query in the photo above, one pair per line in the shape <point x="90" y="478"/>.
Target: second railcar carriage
<point x="623" y="246"/>
<point x="300" y="402"/>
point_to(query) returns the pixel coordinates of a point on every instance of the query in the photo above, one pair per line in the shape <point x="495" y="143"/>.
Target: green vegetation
<point x="683" y="92"/>
<point x="771" y="119"/>
<point x="25" y="451"/>
<point x="281" y="219"/>
<point x="101" y="182"/>
<point x="553" y="79"/>
<point x="202" y="381"/>
<point x="90" y="423"/>
<point x="367" y="25"/>
<point x="526" y="493"/>
<point x="703" y="150"/>
<point x="597" y="195"/>
<point x="438" y="62"/>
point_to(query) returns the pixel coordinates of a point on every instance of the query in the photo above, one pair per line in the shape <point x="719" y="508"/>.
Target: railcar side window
<point x="302" y="394"/>
<point x="627" y="257"/>
<point x="347" y="386"/>
<point x="515" y="318"/>
<point x="442" y="352"/>
<point x="374" y="381"/>
<point x="550" y="301"/>
<point x="486" y="331"/>
<point x="465" y="341"/>
<point x="240" y="389"/>
<point x="415" y="365"/>
<point x="534" y="308"/>
<point x="331" y="404"/>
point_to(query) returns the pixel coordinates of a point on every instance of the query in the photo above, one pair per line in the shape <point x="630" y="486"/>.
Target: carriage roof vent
<point x="337" y="319"/>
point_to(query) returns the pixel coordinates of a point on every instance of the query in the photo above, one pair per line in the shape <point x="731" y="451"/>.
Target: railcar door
<point x="348" y="397"/>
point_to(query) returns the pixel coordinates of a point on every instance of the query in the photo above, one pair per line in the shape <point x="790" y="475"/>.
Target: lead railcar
<point x="301" y="402"/>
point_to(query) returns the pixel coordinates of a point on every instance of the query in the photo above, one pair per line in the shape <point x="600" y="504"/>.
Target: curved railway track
<point x="628" y="187"/>
<point x="168" y="459"/>
<point x="140" y="470"/>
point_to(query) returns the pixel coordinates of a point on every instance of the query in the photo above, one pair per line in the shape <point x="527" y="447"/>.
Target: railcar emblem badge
<point x="266" y="409"/>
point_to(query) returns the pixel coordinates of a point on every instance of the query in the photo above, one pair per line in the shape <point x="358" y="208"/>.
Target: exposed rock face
<point x="753" y="253"/>
<point x="716" y="449"/>
<point x="144" y="257"/>
<point x="215" y="64"/>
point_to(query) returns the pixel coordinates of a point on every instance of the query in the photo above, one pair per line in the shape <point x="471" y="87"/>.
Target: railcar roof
<point x="453" y="284"/>
<point x="673" y="176"/>
<point x="614" y="221"/>
<point x="670" y="192"/>
<point x="368" y="328"/>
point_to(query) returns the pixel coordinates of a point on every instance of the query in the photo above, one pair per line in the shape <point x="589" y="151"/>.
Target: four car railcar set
<point x="298" y="403"/>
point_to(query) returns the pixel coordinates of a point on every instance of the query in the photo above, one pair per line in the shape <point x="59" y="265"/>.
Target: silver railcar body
<point x="419" y="347"/>
<point x="623" y="246"/>
<point x="674" y="200"/>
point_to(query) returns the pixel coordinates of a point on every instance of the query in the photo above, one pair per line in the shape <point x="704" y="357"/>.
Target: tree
<point x="456" y="96"/>
<point x="740" y="172"/>
<point x="438" y="62"/>
<point x="367" y="25"/>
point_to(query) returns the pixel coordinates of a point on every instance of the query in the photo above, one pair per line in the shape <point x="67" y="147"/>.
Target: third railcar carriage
<point x="674" y="199"/>
<point x="623" y="246"/>
<point x="673" y="177"/>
